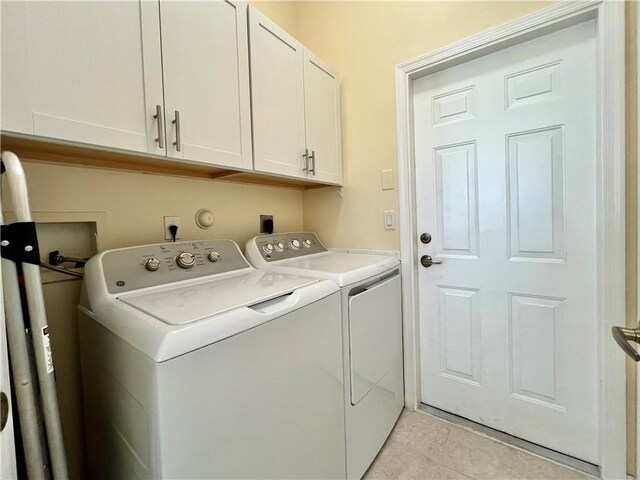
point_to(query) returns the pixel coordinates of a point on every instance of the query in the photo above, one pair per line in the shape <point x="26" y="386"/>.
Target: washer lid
<point x="186" y="304"/>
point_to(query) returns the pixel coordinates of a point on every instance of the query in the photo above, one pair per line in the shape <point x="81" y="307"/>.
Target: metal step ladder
<point x="37" y="404"/>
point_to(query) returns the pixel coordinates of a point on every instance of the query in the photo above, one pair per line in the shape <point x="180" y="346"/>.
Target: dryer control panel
<point x="132" y="268"/>
<point x="280" y="246"/>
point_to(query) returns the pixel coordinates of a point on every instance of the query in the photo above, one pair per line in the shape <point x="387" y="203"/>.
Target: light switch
<point x="387" y="180"/>
<point x="389" y="220"/>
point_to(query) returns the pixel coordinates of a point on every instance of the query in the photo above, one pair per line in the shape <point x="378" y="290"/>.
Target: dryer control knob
<point x="279" y="247"/>
<point x="294" y="244"/>
<point x="268" y="248"/>
<point x="213" y="256"/>
<point x="186" y="260"/>
<point x="152" y="264"/>
<point x="306" y="243"/>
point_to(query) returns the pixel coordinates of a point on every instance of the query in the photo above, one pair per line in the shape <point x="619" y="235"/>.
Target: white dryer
<point x="372" y="332"/>
<point x="197" y="365"/>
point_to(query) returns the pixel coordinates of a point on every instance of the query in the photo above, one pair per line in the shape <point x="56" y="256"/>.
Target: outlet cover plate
<point x="171" y="221"/>
<point x="262" y="220"/>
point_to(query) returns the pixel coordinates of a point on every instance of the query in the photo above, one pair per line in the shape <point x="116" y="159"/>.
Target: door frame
<point x="610" y="88"/>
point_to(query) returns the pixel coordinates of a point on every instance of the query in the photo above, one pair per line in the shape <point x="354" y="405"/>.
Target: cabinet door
<point x="278" y="98"/>
<point x="322" y="119"/>
<point x="206" y="81"/>
<point x="83" y="71"/>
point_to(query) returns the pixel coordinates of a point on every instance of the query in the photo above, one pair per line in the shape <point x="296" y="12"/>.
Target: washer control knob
<point x="306" y="243"/>
<point x="268" y="248"/>
<point x="152" y="264"/>
<point x="213" y="256"/>
<point x="294" y="244"/>
<point x="186" y="260"/>
<point x="279" y="247"/>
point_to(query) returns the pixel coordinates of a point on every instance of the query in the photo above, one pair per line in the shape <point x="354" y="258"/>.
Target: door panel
<point x="456" y="199"/>
<point x="206" y="80"/>
<point x="278" y="98"/>
<point x="535" y="165"/>
<point x="505" y="150"/>
<point x="533" y="323"/>
<point x="105" y="93"/>
<point x="459" y="327"/>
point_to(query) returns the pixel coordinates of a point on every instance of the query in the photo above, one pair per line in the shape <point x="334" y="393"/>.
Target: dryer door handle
<point x="373" y="285"/>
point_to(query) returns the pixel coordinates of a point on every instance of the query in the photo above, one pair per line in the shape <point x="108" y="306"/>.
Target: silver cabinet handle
<point x="158" y="117"/>
<point x="622" y="336"/>
<point x="176" y="122"/>
<point x="312" y="157"/>
<point x="427" y="261"/>
<point x="305" y="155"/>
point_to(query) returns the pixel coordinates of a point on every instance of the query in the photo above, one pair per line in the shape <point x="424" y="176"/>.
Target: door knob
<point x="622" y="336"/>
<point x="427" y="261"/>
<point x="425" y="237"/>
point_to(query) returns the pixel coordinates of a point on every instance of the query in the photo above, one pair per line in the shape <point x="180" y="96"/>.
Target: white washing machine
<point x="197" y="365"/>
<point x="372" y="332"/>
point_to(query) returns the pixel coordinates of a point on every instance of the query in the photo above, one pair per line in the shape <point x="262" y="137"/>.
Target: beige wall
<point x="129" y="206"/>
<point x="364" y="41"/>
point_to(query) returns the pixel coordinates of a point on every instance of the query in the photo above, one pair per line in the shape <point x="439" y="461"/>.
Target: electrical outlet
<point x="171" y="221"/>
<point x="263" y="228"/>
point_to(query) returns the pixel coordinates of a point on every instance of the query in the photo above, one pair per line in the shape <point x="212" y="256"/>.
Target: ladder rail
<point x="35" y="303"/>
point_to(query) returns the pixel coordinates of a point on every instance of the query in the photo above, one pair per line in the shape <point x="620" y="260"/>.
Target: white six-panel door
<point x="505" y="154"/>
<point x="278" y="98"/>
<point x="86" y="72"/>
<point x="206" y="79"/>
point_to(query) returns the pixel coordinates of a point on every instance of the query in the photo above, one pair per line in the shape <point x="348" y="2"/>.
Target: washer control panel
<point x="280" y="246"/>
<point x="128" y="269"/>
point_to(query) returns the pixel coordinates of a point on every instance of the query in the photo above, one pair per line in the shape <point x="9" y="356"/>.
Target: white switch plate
<point x="387" y="180"/>
<point x="171" y="221"/>
<point x="389" y="220"/>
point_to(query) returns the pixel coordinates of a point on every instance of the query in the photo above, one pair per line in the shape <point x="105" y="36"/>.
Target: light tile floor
<point x="423" y="447"/>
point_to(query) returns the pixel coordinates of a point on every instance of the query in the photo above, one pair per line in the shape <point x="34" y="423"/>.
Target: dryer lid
<point x="330" y="262"/>
<point x="342" y="268"/>
<point x="189" y="303"/>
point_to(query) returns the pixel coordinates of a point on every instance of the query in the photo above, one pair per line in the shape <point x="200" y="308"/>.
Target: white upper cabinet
<point x="205" y="60"/>
<point x="171" y="78"/>
<point x="87" y="71"/>
<point x="278" y="98"/>
<point x="322" y="120"/>
<point x="296" y="106"/>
